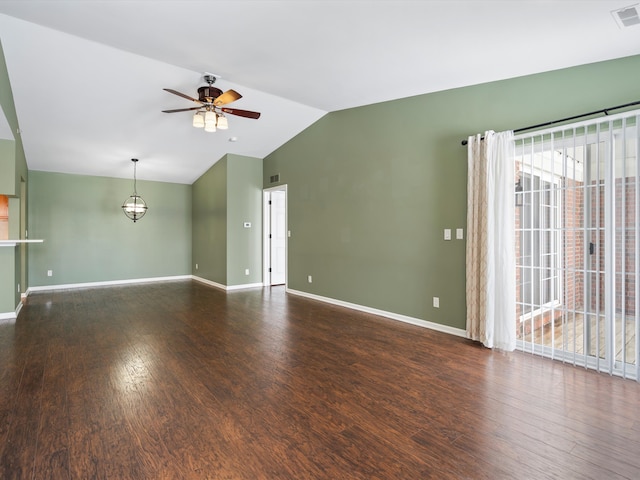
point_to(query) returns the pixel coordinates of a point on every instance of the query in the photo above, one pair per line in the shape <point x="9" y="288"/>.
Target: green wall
<point x="7" y="278"/>
<point x="244" y="194"/>
<point x="10" y="174"/>
<point x="13" y="170"/>
<point x="87" y="237"/>
<point x="210" y="224"/>
<point x="371" y="189"/>
<point x="224" y="198"/>
<point x="7" y="166"/>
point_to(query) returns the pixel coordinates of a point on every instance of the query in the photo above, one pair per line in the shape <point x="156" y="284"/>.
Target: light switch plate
<point x="447" y="234"/>
<point x="459" y="233"/>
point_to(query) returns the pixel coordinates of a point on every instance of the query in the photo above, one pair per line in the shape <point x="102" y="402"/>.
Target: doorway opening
<point x="275" y="236"/>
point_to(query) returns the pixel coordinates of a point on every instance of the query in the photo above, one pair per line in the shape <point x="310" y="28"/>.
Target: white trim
<point x="374" y="311"/>
<point x="244" y="286"/>
<point x="13" y="243"/>
<point x="70" y="286"/>
<point x="5" y="317"/>
<point x="393" y="316"/>
<point x="10" y="315"/>
<point x="226" y="288"/>
<point x="209" y="282"/>
<point x="107" y="283"/>
<point x="266" y="230"/>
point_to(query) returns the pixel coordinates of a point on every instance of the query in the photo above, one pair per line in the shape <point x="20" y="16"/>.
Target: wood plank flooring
<point x="180" y="380"/>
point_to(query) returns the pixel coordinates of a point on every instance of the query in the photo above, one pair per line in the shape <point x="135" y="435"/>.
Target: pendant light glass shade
<point x="134" y="207"/>
<point x="210" y="121"/>
<point x="222" y="122"/>
<point x="198" y="120"/>
<point x="210" y="117"/>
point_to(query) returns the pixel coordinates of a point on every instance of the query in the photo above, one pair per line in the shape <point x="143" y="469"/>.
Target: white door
<point x="275" y="252"/>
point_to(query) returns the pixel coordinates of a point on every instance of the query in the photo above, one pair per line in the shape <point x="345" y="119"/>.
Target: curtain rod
<point x="553" y="122"/>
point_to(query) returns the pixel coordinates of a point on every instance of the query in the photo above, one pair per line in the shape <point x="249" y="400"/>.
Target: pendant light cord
<point x="135" y="164"/>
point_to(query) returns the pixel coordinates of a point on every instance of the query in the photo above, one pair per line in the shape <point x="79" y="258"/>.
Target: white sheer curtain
<point x="490" y="263"/>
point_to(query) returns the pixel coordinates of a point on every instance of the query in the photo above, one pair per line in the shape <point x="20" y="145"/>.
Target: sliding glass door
<point x="577" y="244"/>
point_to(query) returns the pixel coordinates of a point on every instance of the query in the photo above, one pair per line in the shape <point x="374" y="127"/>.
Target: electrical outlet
<point x="310" y="279"/>
<point x="246" y="271"/>
<point x="49" y="273"/>
<point x="436" y="302"/>
<point x="196" y="266"/>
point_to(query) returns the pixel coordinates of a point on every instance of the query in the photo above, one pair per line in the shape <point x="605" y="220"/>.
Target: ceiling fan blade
<point x="181" y="110"/>
<point x="175" y="92"/>
<point x="241" y="113"/>
<point x="227" y="97"/>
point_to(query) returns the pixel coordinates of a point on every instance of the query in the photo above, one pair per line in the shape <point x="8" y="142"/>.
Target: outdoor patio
<point x="568" y="334"/>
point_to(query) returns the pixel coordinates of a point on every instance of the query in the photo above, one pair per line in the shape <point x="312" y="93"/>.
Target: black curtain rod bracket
<point x="575" y="117"/>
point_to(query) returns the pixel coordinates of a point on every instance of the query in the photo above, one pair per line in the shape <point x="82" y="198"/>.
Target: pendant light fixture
<point x="134" y="207"/>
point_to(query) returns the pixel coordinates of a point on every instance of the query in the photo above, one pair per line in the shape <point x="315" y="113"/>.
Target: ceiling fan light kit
<point x="210" y="111"/>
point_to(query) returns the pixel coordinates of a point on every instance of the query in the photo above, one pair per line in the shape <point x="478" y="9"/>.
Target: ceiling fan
<point x="211" y="105"/>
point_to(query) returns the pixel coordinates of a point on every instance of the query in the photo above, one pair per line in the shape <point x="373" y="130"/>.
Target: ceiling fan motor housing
<point x="208" y="94"/>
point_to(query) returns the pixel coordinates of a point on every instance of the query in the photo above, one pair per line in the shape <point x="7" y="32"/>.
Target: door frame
<point x="266" y="227"/>
<point x="557" y="240"/>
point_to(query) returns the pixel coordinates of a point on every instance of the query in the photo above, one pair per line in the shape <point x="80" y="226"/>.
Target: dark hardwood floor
<point x="181" y="380"/>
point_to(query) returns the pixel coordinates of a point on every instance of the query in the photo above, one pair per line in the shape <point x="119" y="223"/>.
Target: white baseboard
<point x="374" y="311"/>
<point x="226" y="288"/>
<point x="244" y="286"/>
<point x="8" y="316"/>
<point x="69" y="286"/>
<point x="5" y="317"/>
<point x="393" y="316"/>
<point x="209" y="282"/>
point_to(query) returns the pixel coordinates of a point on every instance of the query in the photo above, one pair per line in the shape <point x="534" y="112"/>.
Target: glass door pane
<point x="577" y="244"/>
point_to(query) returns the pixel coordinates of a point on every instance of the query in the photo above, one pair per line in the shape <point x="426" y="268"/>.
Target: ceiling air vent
<point x="627" y="17"/>
<point x="274" y="178"/>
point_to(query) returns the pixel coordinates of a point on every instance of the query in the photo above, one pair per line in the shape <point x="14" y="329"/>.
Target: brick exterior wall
<point x="574" y="250"/>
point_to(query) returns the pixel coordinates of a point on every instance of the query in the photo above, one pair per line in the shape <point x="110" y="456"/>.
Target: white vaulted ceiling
<point x="88" y="76"/>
